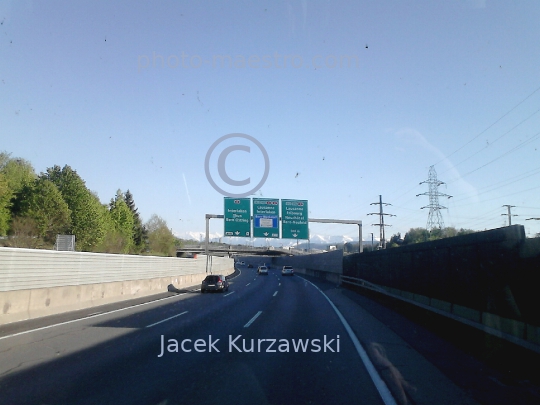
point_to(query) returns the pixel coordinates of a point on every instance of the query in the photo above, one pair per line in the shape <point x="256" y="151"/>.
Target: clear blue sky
<point x="447" y="83"/>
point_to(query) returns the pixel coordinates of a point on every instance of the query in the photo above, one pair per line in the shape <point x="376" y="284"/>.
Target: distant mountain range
<point x="316" y="242"/>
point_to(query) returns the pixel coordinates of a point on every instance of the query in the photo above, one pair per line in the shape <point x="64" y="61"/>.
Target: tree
<point x="436" y="233"/>
<point x="395" y="241"/>
<point x="18" y="172"/>
<point x="123" y="221"/>
<point x="140" y="233"/>
<point x="42" y="202"/>
<point x="416" y="235"/>
<point x="161" y="241"/>
<point x="23" y="233"/>
<point x="88" y="218"/>
<point x="15" y="173"/>
<point x="5" y="198"/>
<point x="464" y="232"/>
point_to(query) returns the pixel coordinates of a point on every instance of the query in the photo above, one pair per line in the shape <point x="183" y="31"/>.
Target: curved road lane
<point x="269" y="340"/>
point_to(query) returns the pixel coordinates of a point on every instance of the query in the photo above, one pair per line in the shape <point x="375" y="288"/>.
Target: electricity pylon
<point x="435" y="219"/>
<point x="381" y="224"/>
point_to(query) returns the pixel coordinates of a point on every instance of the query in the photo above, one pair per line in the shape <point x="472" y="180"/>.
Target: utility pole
<point x="435" y="219"/>
<point x="381" y="224"/>
<point x="509" y="213"/>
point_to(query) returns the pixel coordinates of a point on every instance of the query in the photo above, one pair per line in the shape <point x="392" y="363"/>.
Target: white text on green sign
<point x="237" y="217"/>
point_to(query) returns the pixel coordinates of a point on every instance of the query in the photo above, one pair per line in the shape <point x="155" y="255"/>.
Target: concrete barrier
<point x="515" y="331"/>
<point x="33" y="302"/>
<point x="28" y="304"/>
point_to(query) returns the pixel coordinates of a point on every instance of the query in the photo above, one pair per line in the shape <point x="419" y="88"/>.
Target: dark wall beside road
<point x="492" y="271"/>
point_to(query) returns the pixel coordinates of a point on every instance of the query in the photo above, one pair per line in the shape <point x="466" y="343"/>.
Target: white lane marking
<point x="240" y="273"/>
<point x="89" y="316"/>
<point x="232" y="292"/>
<point x="274" y="294"/>
<point x="165" y="320"/>
<point x="248" y="284"/>
<point x="279" y="284"/>
<point x="381" y="386"/>
<point x="252" y="319"/>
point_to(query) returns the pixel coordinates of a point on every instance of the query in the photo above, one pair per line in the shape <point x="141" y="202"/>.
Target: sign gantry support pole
<point x="207" y="239"/>
<point x="344" y="221"/>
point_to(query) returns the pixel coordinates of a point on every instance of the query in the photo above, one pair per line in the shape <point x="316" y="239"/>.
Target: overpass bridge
<point x="230" y="250"/>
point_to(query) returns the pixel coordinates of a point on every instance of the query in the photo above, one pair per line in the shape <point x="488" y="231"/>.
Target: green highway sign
<point x="237" y="217"/>
<point x="266" y="218"/>
<point x="294" y="219"/>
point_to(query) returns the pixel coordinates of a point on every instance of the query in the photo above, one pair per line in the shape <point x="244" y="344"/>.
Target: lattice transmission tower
<point x="381" y="224"/>
<point x="435" y="219"/>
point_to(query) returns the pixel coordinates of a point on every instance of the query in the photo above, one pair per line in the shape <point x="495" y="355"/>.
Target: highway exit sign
<point x="266" y="218"/>
<point x="237" y="217"/>
<point x="294" y="219"/>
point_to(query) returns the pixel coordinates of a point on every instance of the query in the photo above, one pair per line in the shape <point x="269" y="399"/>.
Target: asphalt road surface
<point x="268" y="340"/>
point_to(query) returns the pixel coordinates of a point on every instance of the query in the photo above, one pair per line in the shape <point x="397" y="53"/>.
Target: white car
<point x="262" y="270"/>
<point x="287" y="271"/>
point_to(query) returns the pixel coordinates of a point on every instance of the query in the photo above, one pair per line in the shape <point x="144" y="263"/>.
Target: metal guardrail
<point x="362" y="283"/>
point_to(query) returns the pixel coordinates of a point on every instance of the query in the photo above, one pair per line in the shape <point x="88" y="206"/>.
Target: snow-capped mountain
<point x="198" y="236"/>
<point x="314" y="239"/>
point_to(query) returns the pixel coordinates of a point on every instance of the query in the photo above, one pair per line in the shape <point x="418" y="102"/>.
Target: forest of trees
<point x="35" y="208"/>
<point x="417" y="235"/>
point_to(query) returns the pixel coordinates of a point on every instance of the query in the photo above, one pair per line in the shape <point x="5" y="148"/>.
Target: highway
<point x="268" y="340"/>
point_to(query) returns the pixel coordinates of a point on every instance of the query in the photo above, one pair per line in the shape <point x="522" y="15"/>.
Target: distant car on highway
<point x="215" y="283"/>
<point x="262" y="270"/>
<point x="287" y="271"/>
<point x="250" y="266"/>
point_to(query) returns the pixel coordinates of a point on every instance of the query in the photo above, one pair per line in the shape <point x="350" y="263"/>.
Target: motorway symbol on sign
<point x="266" y="218"/>
<point x="237" y="217"/>
<point x="294" y="219"/>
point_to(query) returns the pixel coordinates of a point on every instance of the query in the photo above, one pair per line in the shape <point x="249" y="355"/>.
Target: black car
<point x="250" y="266"/>
<point x="215" y="283"/>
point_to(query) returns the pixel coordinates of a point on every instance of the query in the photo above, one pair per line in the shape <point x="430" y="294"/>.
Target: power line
<point x="535" y="136"/>
<point x="506" y="195"/>
<point x="495" y="186"/>
<point x="496" y="139"/>
<point x="485" y="130"/>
